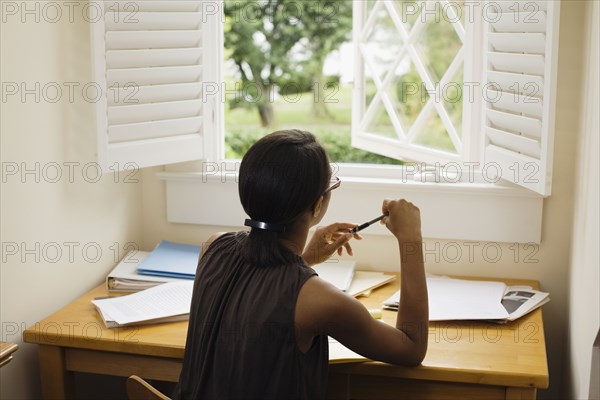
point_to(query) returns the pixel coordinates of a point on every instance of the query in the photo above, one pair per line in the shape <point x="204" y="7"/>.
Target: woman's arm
<point x="324" y="309"/>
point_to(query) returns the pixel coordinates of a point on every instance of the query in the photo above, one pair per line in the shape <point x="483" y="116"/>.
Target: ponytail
<point x="281" y="176"/>
<point x="262" y="248"/>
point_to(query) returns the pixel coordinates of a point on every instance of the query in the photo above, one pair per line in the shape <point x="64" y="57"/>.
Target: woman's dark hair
<point x="281" y="176"/>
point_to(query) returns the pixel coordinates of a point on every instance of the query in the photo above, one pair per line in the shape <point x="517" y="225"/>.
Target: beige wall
<point x="551" y="260"/>
<point x="44" y="214"/>
<point x="584" y="296"/>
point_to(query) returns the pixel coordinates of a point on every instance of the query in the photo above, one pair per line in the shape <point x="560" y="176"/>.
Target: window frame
<point x="476" y="204"/>
<point x="472" y="53"/>
<point x="510" y="126"/>
<point x="453" y="211"/>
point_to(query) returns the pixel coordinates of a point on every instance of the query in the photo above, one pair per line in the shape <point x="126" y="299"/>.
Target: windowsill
<point x="474" y="211"/>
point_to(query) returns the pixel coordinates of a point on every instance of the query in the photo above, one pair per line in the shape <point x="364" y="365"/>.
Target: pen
<point x="366" y="224"/>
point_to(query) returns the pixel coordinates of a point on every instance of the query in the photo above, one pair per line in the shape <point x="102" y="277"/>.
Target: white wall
<point x="48" y="214"/>
<point x="584" y="296"/>
<point x="550" y="263"/>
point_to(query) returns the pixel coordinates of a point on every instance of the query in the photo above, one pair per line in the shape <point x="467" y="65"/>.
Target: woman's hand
<point x="404" y="220"/>
<point x="327" y="240"/>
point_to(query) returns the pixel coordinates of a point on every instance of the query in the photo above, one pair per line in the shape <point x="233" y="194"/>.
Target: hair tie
<point x="264" y="225"/>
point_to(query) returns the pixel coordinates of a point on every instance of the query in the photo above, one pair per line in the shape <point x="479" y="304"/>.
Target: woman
<point x="260" y="315"/>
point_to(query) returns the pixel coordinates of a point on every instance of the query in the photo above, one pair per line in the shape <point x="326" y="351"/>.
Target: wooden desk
<point x="465" y="360"/>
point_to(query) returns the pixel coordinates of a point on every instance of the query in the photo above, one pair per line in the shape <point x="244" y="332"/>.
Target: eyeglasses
<point x="334" y="183"/>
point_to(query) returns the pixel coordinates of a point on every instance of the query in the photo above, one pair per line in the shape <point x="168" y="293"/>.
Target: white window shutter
<point x="151" y="60"/>
<point x="519" y="91"/>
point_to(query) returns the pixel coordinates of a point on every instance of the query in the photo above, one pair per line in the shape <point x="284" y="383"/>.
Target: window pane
<point x="381" y="124"/>
<point x="409" y="12"/>
<point x="407" y="94"/>
<point x="304" y="69"/>
<point x="438" y="45"/>
<point x="434" y="135"/>
<point x="451" y="95"/>
<point x="420" y="71"/>
<point x="382" y="43"/>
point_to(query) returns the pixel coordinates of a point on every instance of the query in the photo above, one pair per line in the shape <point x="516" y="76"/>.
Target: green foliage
<point x="335" y="142"/>
<point x="238" y="142"/>
<point x="411" y="96"/>
<point x="282" y="43"/>
<point x="291" y="56"/>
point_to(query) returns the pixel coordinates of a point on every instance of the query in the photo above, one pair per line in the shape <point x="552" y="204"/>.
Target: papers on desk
<point x="339" y="273"/>
<point x="163" y="303"/>
<point x="338" y="353"/>
<point x="168" y="262"/>
<point x="124" y="277"/>
<point x="342" y="274"/>
<point x="365" y="281"/>
<point x="459" y="299"/>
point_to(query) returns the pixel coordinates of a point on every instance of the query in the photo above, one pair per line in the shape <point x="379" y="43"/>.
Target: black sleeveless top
<point x="241" y="341"/>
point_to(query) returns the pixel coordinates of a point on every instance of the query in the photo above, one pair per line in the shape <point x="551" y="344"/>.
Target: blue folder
<point x="175" y="260"/>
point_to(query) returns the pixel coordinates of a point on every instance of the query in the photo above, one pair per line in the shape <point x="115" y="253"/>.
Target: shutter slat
<point x="158" y="151"/>
<point x="154" y="129"/>
<point x="133" y="6"/>
<point x="530" y="7"/>
<point x="531" y="127"/>
<point x="515" y="103"/>
<point x="156" y="76"/>
<point x="507" y="21"/>
<point x="517" y="168"/>
<point x="529" y="85"/>
<point x="116" y="59"/>
<point x="520" y="63"/>
<point x="154" y="94"/>
<point x="134" y="40"/>
<point x="153" y="112"/>
<point x="518" y="42"/>
<point x="511" y="141"/>
<point x="141" y="21"/>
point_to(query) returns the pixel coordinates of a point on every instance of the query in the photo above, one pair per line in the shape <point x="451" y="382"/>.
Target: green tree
<point x="326" y="25"/>
<point x="260" y="37"/>
<point x="283" y="44"/>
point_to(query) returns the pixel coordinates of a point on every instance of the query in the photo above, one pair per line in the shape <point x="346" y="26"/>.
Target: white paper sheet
<point x="364" y="281"/>
<point x="338" y="353"/>
<point x="339" y="273"/>
<point x="458" y="299"/>
<point x="166" y="300"/>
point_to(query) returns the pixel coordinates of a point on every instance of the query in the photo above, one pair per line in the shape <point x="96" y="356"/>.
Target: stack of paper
<point x="163" y="303"/>
<point x="125" y="278"/>
<point x="459" y="299"/>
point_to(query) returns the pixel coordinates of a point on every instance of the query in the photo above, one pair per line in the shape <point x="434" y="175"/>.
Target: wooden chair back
<point x="139" y="389"/>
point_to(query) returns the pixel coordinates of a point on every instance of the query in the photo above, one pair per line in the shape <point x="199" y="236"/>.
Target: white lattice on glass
<point x="390" y="45"/>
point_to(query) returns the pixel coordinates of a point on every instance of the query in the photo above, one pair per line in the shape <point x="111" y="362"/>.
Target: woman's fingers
<point x="339" y="226"/>
<point x="348" y="248"/>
